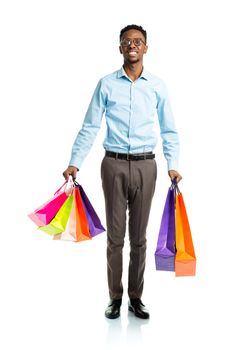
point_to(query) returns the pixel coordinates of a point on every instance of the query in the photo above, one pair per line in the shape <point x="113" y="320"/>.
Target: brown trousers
<point x="127" y="184"/>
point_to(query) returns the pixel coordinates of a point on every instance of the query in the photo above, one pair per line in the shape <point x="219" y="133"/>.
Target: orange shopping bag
<point x="185" y="260"/>
<point x="77" y="228"/>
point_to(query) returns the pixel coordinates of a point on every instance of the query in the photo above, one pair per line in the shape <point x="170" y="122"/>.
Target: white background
<point x="52" y="53"/>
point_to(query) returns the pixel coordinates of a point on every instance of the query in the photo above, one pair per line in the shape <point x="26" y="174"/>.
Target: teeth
<point x="132" y="53"/>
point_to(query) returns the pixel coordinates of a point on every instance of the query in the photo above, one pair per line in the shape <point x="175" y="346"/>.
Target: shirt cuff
<point x="172" y="165"/>
<point x="76" y="162"/>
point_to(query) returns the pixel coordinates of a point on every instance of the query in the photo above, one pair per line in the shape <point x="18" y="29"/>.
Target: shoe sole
<point x="112" y="317"/>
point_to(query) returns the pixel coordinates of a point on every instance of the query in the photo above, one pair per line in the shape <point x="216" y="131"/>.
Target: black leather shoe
<point x="113" y="309"/>
<point x="136" y="306"/>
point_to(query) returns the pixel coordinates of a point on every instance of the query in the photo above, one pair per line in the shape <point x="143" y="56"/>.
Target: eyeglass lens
<point x="128" y="42"/>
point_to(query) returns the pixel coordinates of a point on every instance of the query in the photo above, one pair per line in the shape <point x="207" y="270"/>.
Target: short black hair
<point x="133" y="26"/>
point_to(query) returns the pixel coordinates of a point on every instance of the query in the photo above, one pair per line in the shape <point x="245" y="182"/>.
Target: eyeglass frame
<point x="132" y="41"/>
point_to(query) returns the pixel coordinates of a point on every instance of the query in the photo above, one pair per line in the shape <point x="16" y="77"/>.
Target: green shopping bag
<point x="59" y="222"/>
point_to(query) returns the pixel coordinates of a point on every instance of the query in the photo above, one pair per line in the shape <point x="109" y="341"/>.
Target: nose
<point x="132" y="45"/>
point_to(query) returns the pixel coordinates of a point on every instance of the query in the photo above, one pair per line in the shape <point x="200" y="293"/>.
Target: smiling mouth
<point x="132" y="53"/>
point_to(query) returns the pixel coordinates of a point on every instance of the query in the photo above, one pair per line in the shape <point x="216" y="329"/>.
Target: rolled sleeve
<point x="90" y="127"/>
<point x="168" y="131"/>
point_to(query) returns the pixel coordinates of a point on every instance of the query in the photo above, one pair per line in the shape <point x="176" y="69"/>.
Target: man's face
<point x="132" y="46"/>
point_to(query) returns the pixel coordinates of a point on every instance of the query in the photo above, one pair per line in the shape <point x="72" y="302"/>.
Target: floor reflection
<point x="114" y="332"/>
<point x="134" y="329"/>
<point x="120" y="333"/>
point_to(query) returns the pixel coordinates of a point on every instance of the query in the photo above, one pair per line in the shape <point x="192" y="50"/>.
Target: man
<point x="130" y="98"/>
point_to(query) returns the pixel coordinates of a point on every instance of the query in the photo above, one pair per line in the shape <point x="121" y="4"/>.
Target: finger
<point x="66" y="175"/>
<point x="74" y="172"/>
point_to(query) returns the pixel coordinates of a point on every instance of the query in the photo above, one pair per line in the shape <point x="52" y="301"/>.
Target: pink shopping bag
<point x="47" y="211"/>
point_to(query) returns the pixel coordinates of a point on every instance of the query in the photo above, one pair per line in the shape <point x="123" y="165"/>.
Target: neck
<point x="133" y="70"/>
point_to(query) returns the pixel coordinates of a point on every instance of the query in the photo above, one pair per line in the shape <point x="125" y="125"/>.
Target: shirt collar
<point x="121" y="73"/>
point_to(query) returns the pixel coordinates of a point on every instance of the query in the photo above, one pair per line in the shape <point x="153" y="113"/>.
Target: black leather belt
<point x="129" y="156"/>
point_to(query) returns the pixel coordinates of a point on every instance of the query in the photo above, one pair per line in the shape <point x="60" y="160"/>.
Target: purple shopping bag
<point x="166" y="247"/>
<point x="95" y="226"/>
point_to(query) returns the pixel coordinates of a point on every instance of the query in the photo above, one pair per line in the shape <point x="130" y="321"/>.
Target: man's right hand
<point x="71" y="170"/>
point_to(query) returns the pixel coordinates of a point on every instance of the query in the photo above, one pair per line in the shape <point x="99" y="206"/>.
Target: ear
<point x="120" y="49"/>
<point x="145" y="49"/>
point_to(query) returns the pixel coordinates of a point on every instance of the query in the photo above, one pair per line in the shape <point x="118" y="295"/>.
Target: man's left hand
<point x="174" y="174"/>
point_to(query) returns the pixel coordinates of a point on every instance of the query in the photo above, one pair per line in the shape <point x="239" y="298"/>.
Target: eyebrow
<point x="133" y="38"/>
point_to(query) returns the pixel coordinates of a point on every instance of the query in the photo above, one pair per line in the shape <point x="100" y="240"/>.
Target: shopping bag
<point x="94" y="223"/>
<point x="165" y="250"/>
<point x="185" y="260"/>
<point x="77" y="228"/>
<point x="59" y="222"/>
<point x="46" y="212"/>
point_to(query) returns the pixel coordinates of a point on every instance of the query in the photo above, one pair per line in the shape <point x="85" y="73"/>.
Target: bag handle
<point x="61" y="187"/>
<point x="67" y="183"/>
<point x="175" y="185"/>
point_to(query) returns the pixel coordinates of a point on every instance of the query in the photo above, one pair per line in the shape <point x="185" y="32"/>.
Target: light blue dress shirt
<point x="130" y="109"/>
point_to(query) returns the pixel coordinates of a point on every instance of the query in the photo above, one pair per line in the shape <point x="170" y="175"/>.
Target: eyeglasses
<point x="128" y="42"/>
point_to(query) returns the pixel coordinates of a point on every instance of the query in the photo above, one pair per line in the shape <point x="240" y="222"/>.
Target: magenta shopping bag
<point x="47" y="211"/>
<point x="166" y="246"/>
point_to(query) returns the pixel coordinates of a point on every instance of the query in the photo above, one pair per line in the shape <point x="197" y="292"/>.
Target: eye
<point x="125" y="42"/>
<point x="137" y="42"/>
